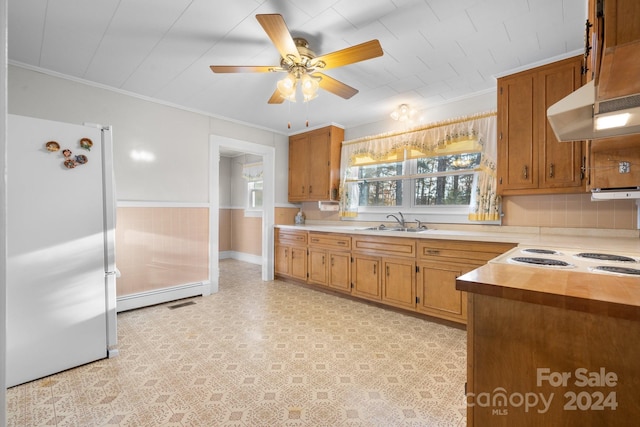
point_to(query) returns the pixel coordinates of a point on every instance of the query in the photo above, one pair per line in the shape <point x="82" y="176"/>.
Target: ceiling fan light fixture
<point x="309" y="87"/>
<point x="287" y="87"/>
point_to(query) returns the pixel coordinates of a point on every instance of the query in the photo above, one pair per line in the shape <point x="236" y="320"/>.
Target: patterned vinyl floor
<point x="260" y="354"/>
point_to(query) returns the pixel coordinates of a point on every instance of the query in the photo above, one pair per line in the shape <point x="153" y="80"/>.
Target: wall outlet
<point x="624" y="167"/>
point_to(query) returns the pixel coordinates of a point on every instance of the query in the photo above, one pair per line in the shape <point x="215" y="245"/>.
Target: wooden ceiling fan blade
<point x="350" y="55"/>
<point x="335" y="86"/>
<point x="244" y="69"/>
<point x="275" y="27"/>
<point x="276" y="98"/>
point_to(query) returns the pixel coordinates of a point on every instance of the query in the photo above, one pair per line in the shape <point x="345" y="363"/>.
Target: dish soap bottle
<point x="299" y="218"/>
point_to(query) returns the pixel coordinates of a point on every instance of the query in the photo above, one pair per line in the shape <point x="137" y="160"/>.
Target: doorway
<point x="216" y="143"/>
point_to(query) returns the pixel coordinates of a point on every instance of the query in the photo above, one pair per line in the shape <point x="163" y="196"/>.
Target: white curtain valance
<point x="438" y="138"/>
<point x="252" y="171"/>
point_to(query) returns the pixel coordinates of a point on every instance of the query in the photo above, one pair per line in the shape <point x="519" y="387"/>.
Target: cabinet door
<point x="298" y="173"/>
<point x="319" y="165"/>
<point x="339" y="269"/>
<point x="437" y="293"/>
<point x="318" y="263"/>
<point x="399" y="284"/>
<point x="365" y="273"/>
<point x="299" y="263"/>
<point x="282" y="260"/>
<point x="561" y="162"/>
<point x="517" y="148"/>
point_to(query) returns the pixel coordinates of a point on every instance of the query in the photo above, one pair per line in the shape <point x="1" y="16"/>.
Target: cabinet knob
<point x="310" y="189"/>
<point x="551" y="171"/>
<point x="525" y="172"/>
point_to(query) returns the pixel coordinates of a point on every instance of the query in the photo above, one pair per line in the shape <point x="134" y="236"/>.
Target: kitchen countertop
<point x="611" y="296"/>
<point x="582" y="239"/>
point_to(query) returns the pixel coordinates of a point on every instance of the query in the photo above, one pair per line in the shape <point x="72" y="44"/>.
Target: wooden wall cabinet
<point x="440" y="263"/>
<point x="330" y="260"/>
<point x="616" y="66"/>
<point x="314" y="164"/>
<point x="530" y="158"/>
<point x="618" y="34"/>
<point x="291" y="253"/>
<point x="615" y="163"/>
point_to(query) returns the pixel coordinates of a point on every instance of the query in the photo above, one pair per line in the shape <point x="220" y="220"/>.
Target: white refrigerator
<point x="61" y="310"/>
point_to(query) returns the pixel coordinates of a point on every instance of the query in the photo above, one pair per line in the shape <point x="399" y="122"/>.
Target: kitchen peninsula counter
<point x="551" y="347"/>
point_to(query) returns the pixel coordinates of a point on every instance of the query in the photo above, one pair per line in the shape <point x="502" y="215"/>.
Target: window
<point x="253" y="173"/>
<point x="254" y="190"/>
<point x="445" y="180"/>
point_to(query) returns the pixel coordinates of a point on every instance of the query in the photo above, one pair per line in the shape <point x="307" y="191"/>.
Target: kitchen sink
<point x="402" y="229"/>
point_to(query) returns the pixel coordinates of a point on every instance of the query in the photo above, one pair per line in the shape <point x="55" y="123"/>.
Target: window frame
<point x="251" y="211"/>
<point x="426" y="213"/>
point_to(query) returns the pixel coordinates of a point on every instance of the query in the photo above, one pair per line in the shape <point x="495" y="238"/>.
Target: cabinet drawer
<point x="386" y="246"/>
<point x="291" y="237"/>
<point x="480" y="251"/>
<point x="330" y="241"/>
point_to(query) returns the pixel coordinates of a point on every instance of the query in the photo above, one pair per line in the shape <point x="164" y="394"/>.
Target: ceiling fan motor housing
<point x="304" y="65"/>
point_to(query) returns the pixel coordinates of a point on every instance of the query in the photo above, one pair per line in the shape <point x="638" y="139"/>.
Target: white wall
<point x="178" y="139"/>
<point x="225" y="182"/>
<point x="482" y="102"/>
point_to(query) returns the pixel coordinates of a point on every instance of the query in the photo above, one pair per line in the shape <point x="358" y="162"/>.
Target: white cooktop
<point x="596" y="262"/>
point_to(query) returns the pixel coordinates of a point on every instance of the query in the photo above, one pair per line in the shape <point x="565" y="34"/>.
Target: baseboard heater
<point x="158" y="296"/>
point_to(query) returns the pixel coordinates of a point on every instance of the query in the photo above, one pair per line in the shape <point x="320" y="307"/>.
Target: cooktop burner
<point x="617" y="270"/>
<point x="541" y="251"/>
<point x="605" y="257"/>
<point x="547" y="262"/>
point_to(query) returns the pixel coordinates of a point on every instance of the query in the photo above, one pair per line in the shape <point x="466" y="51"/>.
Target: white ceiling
<point x="435" y="51"/>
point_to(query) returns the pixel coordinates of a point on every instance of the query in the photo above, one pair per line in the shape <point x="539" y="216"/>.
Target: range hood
<point x="578" y="116"/>
<point x="615" y="194"/>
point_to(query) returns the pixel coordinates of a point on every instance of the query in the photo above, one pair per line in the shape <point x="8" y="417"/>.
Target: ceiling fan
<point x="302" y="65"/>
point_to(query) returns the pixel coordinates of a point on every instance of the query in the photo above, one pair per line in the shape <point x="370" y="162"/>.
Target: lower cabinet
<point x="365" y="277"/>
<point x="437" y="294"/>
<point x="383" y="269"/>
<point x="291" y="254"/>
<point x="416" y="274"/>
<point x="440" y="262"/>
<point x="330" y="260"/>
<point x="389" y="280"/>
<point x="399" y="282"/>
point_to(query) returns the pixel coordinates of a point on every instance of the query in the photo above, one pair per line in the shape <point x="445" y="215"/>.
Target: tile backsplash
<point x="569" y="211"/>
<point x="551" y="210"/>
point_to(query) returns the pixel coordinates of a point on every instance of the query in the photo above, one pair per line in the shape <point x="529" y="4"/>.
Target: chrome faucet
<point x="399" y="220"/>
<point x="419" y="224"/>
